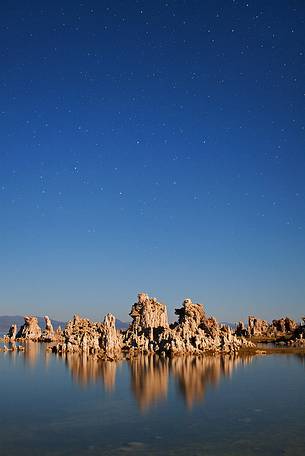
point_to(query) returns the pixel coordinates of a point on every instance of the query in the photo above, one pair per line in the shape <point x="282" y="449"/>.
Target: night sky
<point x="152" y="146"/>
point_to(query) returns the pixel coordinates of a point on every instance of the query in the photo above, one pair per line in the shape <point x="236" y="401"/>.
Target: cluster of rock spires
<point x="31" y="330"/>
<point x="284" y="329"/>
<point x="150" y="332"/>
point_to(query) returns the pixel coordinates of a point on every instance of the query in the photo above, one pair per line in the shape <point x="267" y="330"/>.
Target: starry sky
<point x="152" y="146"/>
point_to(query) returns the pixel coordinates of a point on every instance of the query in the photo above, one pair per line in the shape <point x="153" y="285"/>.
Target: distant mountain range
<point x="7" y="320"/>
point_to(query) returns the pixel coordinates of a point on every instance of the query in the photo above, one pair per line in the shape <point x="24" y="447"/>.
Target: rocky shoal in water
<point x="149" y="332"/>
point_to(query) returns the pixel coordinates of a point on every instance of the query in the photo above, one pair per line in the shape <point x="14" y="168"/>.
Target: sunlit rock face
<point x="84" y="336"/>
<point x="148" y="313"/>
<point x="49" y="334"/>
<point x="278" y="328"/>
<point x="257" y="327"/>
<point x="193" y="333"/>
<point x="30" y="330"/>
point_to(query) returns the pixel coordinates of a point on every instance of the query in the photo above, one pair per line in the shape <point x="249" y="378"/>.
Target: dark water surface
<point x="53" y="405"/>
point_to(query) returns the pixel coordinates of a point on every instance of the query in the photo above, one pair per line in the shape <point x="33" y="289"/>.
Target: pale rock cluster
<point x="30" y="330"/>
<point x="193" y="333"/>
<point x="261" y="328"/>
<point x="84" y="336"/>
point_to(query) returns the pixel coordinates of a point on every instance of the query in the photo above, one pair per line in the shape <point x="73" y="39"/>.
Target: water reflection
<point x="150" y="375"/>
<point x="194" y="375"/>
<point x="149" y="379"/>
<point x="86" y="370"/>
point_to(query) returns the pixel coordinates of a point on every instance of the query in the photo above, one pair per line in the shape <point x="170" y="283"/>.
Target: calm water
<point x="212" y="406"/>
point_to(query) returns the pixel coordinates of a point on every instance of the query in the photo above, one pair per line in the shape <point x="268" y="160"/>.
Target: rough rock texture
<point x="284" y="325"/>
<point x="257" y="327"/>
<point x="298" y="338"/>
<point x="12" y="332"/>
<point x="278" y="328"/>
<point x="149" y="332"/>
<point x="241" y="330"/>
<point x="193" y="333"/>
<point x="30" y="330"/>
<point x="48" y="334"/>
<point x="84" y="336"/>
<point x="148" y="313"/>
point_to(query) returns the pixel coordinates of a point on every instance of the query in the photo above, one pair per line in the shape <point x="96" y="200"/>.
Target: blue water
<point x="53" y="405"/>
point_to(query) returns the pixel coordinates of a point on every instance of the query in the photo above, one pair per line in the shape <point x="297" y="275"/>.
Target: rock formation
<point x="277" y="329"/>
<point x="241" y="330"/>
<point x="30" y="330"/>
<point x="298" y="338"/>
<point x="48" y="334"/>
<point x="193" y="333"/>
<point x="83" y="336"/>
<point x="12" y="332"/>
<point x="257" y="327"/>
<point x="148" y="313"/>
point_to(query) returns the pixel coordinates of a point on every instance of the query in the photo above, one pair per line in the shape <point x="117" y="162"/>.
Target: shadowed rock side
<point x="12" y="333"/>
<point x="298" y="338"/>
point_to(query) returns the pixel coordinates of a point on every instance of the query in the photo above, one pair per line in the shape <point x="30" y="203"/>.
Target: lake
<point x="52" y="405"/>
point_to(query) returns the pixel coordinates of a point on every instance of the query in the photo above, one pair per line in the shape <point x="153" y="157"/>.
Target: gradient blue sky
<point x="152" y="146"/>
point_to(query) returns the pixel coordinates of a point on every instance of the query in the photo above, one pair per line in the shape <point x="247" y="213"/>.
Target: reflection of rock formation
<point x="195" y="374"/>
<point x="31" y="352"/>
<point x="88" y="369"/>
<point x="150" y="374"/>
<point x="30" y="330"/>
<point x="149" y="379"/>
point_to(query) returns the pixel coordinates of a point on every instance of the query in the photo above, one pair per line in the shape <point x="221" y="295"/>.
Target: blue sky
<point x="152" y="146"/>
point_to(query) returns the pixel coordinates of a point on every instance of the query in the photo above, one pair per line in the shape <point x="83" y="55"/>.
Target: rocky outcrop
<point x="241" y="330"/>
<point x="84" y="336"/>
<point x="278" y="328"/>
<point x="30" y="330"/>
<point x="193" y="333"/>
<point x="148" y="313"/>
<point x="48" y="334"/>
<point x="298" y="338"/>
<point x="12" y="333"/>
<point x="257" y="327"/>
<point x="284" y="326"/>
